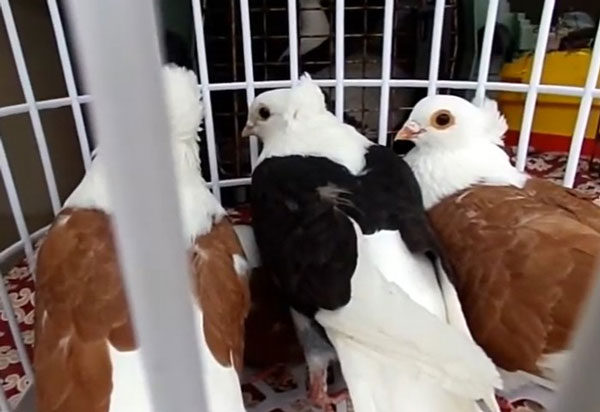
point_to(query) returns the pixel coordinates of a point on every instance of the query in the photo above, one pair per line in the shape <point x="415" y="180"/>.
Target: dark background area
<point x="533" y="8"/>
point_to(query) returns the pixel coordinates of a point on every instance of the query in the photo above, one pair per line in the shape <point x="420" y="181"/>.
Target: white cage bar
<point x="141" y="171"/>
<point x="580" y="391"/>
<point x="248" y="71"/>
<point x="15" y="205"/>
<point x="34" y="115"/>
<point x="436" y="46"/>
<point x="534" y="83"/>
<point x="4" y="405"/>
<point x="584" y="114"/>
<point x="67" y="67"/>
<point x="208" y="115"/>
<point x="339" y="58"/>
<point x="138" y="11"/>
<point x="293" y="40"/>
<point x="486" y="50"/>
<point x="386" y="70"/>
<point x="271" y="84"/>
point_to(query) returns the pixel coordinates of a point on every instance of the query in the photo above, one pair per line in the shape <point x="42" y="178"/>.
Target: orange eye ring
<point x="442" y="119"/>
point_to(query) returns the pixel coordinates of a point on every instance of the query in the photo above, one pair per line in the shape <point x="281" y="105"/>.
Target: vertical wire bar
<point x="213" y="161"/>
<point x="13" y="324"/>
<point x="584" y="114"/>
<point x="534" y="82"/>
<point x="486" y="51"/>
<point x="580" y="389"/>
<point x="129" y="118"/>
<point x="15" y="206"/>
<point x="34" y="115"/>
<point x="436" y="46"/>
<point x="4" y="405"/>
<point x="249" y="71"/>
<point x="340" y="7"/>
<point x="293" y="40"/>
<point x="67" y="67"/>
<point x="386" y="71"/>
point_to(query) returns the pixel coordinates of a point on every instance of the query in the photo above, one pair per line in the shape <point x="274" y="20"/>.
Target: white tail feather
<point x="383" y="327"/>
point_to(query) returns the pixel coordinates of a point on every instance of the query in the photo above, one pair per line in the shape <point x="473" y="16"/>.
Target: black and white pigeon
<point x="314" y="27"/>
<point x="340" y="223"/>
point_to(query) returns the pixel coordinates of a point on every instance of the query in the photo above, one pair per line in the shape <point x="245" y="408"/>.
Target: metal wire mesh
<point x="423" y="53"/>
<point x="363" y="40"/>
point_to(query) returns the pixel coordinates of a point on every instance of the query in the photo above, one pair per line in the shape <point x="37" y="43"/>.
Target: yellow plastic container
<point x="554" y="115"/>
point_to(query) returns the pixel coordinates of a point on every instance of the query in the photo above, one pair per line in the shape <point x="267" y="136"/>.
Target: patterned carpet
<point x="551" y="166"/>
<point x="20" y="288"/>
<point x="282" y="391"/>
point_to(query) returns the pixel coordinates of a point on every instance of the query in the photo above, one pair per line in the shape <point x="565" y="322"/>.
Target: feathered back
<point x="184" y="102"/>
<point x="185" y="114"/>
<point x="495" y="122"/>
<point x="307" y="98"/>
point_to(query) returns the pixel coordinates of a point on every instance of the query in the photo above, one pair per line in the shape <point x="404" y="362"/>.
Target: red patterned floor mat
<point x="20" y="288"/>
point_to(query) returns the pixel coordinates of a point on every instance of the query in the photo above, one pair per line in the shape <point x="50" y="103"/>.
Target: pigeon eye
<point x="442" y="119"/>
<point x="264" y="113"/>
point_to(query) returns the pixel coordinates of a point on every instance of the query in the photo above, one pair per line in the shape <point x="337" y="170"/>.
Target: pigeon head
<point x="185" y="113"/>
<point x="446" y="121"/>
<point x="277" y="111"/>
<point x="183" y="100"/>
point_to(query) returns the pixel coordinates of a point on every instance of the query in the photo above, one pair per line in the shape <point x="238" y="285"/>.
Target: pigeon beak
<point x="410" y="131"/>
<point x="248" y="130"/>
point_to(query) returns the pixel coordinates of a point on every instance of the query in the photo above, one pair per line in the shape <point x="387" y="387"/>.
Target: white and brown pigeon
<point x="523" y="250"/>
<point x="340" y="225"/>
<point x="86" y="355"/>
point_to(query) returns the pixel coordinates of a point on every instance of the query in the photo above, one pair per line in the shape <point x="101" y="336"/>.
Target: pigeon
<point x="86" y="356"/>
<point x="522" y="250"/>
<point x="314" y="27"/>
<point x="340" y="224"/>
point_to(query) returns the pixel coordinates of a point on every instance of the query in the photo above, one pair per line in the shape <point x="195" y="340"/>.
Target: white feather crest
<point x="184" y="102"/>
<point x="495" y="122"/>
<point x="307" y="97"/>
<point x="305" y="77"/>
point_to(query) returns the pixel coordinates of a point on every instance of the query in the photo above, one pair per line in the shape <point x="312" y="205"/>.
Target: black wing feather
<point x="309" y="243"/>
<point x="390" y="198"/>
<point x="304" y="234"/>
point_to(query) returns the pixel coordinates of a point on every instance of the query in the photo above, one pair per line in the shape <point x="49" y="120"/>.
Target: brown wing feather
<point x="224" y="294"/>
<point x="582" y="234"/>
<point x="570" y="200"/>
<point x="80" y="307"/>
<point x="523" y="260"/>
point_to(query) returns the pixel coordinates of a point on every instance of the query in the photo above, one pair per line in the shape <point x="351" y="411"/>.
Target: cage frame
<point x="590" y="330"/>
